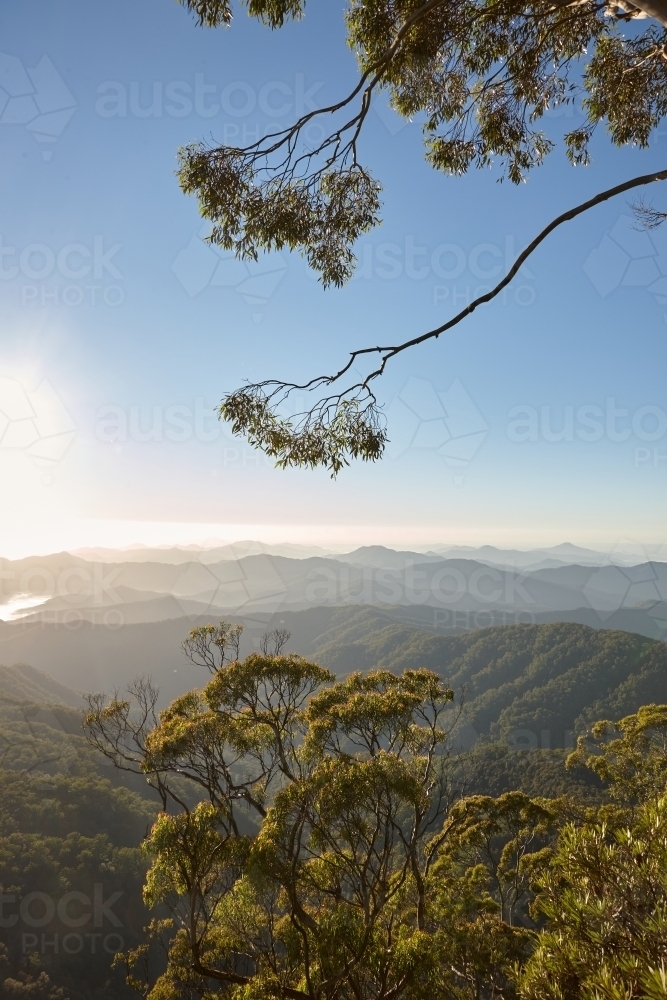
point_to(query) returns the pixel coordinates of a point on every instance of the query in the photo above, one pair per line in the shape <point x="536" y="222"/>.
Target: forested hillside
<point x="71" y="824"/>
<point x="71" y="868"/>
<point x="548" y="679"/>
<point x="90" y="657"/>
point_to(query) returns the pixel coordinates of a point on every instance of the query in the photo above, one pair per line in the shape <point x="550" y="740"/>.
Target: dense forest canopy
<point x="71" y="866"/>
<point x="368" y="868"/>
<point x="290" y="830"/>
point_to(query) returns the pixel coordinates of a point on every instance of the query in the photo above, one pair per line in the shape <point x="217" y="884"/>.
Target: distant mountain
<point x="380" y="556"/>
<point x="535" y="558"/>
<point x="460" y="592"/>
<point x="178" y="554"/>
<point x="540" y="678"/>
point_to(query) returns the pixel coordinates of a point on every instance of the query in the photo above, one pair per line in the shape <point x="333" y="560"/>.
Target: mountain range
<point x="462" y="592"/>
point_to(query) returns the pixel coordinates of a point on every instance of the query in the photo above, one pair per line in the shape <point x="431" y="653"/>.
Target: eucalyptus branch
<point x="349" y="423"/>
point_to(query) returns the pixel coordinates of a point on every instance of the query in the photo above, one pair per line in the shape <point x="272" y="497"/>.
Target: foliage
<point x="495" y="767"/>
<point x="550" y="680"/>
<point x="371" y="872"/>
<point x="320" y="838"/>
<point x="351" y="780"/>
<point x="604" y="897"/>
<point x="602" y="893"/>
<point x="329" y="437"/>
<point x="479" y="76"/>
<point x="630" y="754"/>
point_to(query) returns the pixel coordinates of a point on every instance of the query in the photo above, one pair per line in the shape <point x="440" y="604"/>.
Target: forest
<point x="476" y="815"/>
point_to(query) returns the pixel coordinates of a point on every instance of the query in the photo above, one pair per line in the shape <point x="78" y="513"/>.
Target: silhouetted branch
<point x="348" y="424"/>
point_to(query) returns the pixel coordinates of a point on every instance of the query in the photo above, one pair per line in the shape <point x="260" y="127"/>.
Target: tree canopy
<point x="479" y="75"/>
<point x="317" y="843"/>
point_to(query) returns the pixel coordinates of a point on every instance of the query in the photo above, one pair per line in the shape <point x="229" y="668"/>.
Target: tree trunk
<point x="654" y="8"/>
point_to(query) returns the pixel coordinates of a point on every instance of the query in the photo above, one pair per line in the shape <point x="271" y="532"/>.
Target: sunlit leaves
<point x="379" y="711"/>
<point x="630" y="754"/>
<point x="254" y="684"/>
<point x="479" y="76"/>
<point x="369" y="874"/>
<point x="604" y="896"/>
<point x="626" y="82"/>
<point x="329" y="436"/>
<point x="257" y="205"/>
<point x="211" y="13"/>
<point x="191" y="855"/>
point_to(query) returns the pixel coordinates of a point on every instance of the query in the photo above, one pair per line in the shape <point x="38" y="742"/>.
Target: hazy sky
<point x="541" y="419"/>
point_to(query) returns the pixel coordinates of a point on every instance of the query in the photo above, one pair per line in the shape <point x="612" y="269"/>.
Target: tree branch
<point x="348" y="424"/>
<point x="572" y="213"/>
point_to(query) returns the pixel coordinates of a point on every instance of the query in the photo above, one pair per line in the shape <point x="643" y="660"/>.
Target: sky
<point x="541" y="419"/>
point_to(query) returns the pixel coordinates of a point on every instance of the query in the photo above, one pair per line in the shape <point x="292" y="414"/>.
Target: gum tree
<point x="315" y="843"/>
<point x="602" y="896"/>
<point x="310" y="846"/>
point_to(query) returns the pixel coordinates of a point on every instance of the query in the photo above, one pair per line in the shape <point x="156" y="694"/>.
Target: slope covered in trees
<point x="71" y="868"/>
<point x="71" y="826"/>
<point x="545" y="678"/>
<point x="374" y="872"/>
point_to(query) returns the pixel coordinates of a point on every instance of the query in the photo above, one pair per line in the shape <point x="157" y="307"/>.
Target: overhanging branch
<point x="348" y="423"/>
<point x="598" y="199"/>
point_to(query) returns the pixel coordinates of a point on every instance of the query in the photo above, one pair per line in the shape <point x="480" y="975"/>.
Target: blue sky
<point x="120" y="330"/>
